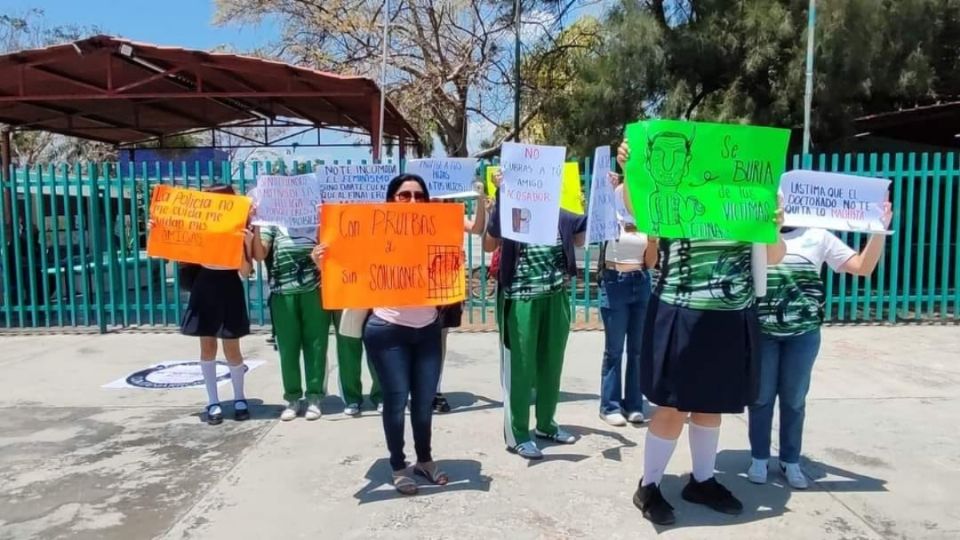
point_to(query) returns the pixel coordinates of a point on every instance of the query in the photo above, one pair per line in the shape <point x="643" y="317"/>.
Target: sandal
<point x="432" y="473"/>
<point x="404" y="483"/>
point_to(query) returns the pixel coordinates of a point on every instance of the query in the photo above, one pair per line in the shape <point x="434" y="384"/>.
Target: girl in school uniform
<point x="217" y="309"/>
<point x="699" y="360"/>
<point x="790" y="318"/>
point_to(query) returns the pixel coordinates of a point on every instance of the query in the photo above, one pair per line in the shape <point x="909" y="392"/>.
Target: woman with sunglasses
<point x="624" y="292"/>
<point x="790" y="318"/>
<point x="698" y="359"/>
<point x="405" y="346"/>
<point x="533" y="305"/>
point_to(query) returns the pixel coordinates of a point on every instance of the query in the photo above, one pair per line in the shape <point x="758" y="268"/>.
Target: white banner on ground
<point x="530" y="198"/>
<point x="287" y="201"/>
<point x="355" y="183"/>
<point x="445" y="176"/>
<point x="838" y="202"/>
<point x="176" y="375"/>
<point x="602" y="223"/>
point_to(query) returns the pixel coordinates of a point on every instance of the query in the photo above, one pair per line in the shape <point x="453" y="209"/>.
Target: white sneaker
<point x="527" y="450"/>
<point x="794" y="474"/>
<point x="561" y="436"/>
<point x="352" y="409"/>
<point x="379" y="408"/>
<point x="757" y="473"/>
<point x="290" y="411"/>
<point x="313" y="410"/>
<point x="614" y="419"/>
<point x="636" y="418"/>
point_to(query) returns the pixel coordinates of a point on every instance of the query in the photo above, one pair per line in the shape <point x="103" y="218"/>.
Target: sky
<point x="189" y="24"/>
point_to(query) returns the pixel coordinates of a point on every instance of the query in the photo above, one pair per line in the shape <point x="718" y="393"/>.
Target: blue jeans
<point x="407" y="361"/>
<point x="786" y="364"/>
<point x="623" y="304"/>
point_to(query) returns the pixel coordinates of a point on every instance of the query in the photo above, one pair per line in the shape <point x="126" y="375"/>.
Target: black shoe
<point x="241" y="414"/>
<point x="214" y="418"/>
<point x="440" y="404"/>
<point x="713" y="495"/>
<point x="654" y="507"/>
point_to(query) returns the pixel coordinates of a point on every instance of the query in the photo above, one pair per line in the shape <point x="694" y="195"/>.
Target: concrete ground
<point x="80" y="461"/>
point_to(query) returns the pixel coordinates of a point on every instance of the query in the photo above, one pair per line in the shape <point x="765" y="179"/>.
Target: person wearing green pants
<point x="350" y="364"/>
<point x="533" y="306"/>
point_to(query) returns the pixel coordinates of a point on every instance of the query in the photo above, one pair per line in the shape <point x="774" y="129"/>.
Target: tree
<point x="743" y="61"/>
<point x="448" y="58"/>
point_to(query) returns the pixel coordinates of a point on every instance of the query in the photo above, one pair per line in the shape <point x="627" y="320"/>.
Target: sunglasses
<point x="407" y="196"/>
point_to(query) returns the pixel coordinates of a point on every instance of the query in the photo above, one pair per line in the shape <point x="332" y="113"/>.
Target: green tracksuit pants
<point x="350" y="365"/>
<point x="533" y="339"/>
<point x="302" y="326"/>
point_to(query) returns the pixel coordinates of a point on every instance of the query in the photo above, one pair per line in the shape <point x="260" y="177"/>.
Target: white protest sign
<point x="444" y="177"/>
<point x="838" y="202"/>
<point x="602" y="223"/>
<point x="530" y="192"/>
<point x="286" y="201"/>
<point x="355" y="183"/>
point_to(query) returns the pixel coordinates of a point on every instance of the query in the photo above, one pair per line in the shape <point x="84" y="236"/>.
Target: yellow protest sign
<point x="392" y="255"/>
<point x="197" y="227"/>
<point x="571" y="195"/>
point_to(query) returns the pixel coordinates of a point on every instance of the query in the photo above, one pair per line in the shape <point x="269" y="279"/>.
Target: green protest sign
<point x="700" y="180"/>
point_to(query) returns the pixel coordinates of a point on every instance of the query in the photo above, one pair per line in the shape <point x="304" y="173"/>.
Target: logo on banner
<point x="179" y="375"/>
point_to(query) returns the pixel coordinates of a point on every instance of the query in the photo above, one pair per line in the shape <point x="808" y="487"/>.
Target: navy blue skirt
<point x="700" y="361"/>
<point x="217" y="306"/>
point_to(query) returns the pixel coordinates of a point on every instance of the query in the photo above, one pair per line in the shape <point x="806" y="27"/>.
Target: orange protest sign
<point x="197" y="227"/>
<point x="392" y="255"/>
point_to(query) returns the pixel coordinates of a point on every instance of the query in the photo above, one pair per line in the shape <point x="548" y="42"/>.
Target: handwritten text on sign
<point x="530" y="201"/>
<point x="412" y="255"/>
<point x="197" y="227"/>
<point x="355" y="183"/>
<point x="700" y="180"/>
<point x="287" y="201"/>
<point x="445" y="176"/>
<point x="571" y="195"/>
<point x="602" y="224"/>
<point x="840" y="202"/>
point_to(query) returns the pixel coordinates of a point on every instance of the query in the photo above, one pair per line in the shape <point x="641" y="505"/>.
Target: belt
<point x="613" y="266"/>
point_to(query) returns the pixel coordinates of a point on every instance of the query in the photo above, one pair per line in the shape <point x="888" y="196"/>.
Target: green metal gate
<point x="73" y="246"/>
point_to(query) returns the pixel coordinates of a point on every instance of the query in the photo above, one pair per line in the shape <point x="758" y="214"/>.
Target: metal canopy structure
<point x="123" y="92"/>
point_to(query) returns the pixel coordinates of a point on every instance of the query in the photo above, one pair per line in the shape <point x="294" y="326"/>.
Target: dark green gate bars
<point x="73" y="246"/>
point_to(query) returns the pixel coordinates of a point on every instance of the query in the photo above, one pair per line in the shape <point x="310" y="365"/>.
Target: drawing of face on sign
<point x="668" y="159"/>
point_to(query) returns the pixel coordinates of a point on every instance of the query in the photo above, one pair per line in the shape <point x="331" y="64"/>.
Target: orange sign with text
<point x="392" y="255"/>
<point x="197" y="227"/>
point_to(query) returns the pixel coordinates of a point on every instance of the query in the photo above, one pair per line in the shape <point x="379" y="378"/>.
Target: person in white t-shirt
<point x="790" y="318"/>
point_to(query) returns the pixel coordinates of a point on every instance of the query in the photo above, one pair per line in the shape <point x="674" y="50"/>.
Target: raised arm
<point x="865" y="262"/>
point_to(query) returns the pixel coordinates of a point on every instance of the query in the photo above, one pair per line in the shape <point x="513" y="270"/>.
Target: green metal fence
<point x="74" y="246"/>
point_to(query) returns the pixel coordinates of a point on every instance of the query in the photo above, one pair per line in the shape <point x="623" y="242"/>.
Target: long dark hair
<point x="394" y="186"/>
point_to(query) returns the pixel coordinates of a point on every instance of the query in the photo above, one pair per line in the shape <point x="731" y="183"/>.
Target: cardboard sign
<point x="197" y="227"/>
<point x="530" y="202"/>
<point x="840" y="202"/>
<point x="699" y="180"/>
<point x="392" y="255"/>
<point x="602" y="223"/>
<point x="355" y="183"/>
<point x="449" y="176"/>
<point x="571" y="194"/>
<point x="287" y="201"/>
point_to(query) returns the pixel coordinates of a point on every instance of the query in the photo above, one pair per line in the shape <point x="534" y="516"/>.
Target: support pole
<point x="808" y="91"/>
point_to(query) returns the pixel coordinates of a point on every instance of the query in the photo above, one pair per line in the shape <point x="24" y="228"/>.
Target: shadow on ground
<point x="464" y="474"/>
<point x="760" y="502"/>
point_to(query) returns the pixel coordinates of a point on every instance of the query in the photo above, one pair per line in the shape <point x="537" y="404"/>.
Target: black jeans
<point x="407" y="361"/>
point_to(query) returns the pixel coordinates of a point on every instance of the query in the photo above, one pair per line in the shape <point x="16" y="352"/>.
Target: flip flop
<point x="432" y="473"/>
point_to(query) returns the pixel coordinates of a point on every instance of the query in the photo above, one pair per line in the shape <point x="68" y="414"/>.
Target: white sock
<point x="209" y="370"/>
<point x="656" y="456"/>
<point x="236" y="377"/>
<point x="703" y="450"/>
